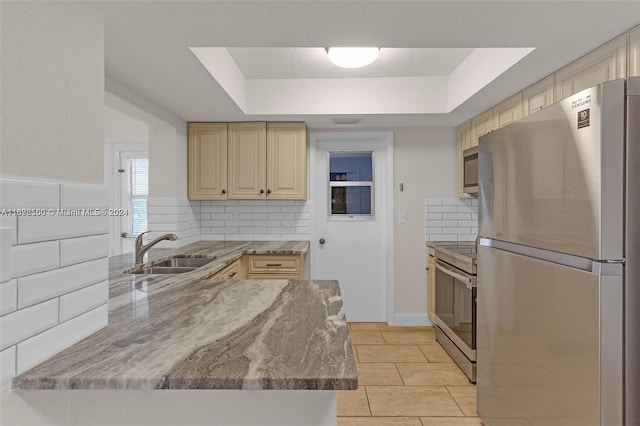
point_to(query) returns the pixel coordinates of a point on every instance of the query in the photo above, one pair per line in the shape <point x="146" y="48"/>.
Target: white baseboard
<point x="409" y="319"/>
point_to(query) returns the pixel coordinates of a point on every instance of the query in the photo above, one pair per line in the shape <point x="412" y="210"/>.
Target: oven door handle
<point x="469" y="281"/>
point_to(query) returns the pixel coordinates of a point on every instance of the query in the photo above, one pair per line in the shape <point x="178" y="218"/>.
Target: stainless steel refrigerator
<point x="558" y="298"/>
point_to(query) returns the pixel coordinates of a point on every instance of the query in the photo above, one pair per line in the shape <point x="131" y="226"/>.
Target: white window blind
<point x="138" y="192"/>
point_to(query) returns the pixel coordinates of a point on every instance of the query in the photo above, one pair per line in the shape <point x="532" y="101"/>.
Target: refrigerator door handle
<point x="468" y="280"/>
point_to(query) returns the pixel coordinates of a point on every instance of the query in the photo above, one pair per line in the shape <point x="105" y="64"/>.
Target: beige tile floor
<point x="405" y="379"/>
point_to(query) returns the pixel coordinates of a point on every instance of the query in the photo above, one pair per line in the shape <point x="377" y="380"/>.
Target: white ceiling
<point x="147" y="47"/>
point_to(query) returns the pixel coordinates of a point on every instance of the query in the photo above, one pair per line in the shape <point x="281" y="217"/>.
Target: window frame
<point x="371" y="184"/>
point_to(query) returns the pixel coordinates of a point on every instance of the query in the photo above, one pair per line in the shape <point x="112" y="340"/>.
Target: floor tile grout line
<point x="366" y="394"/>
<point x="455" y="400"/>
<point x="401" y="378"/>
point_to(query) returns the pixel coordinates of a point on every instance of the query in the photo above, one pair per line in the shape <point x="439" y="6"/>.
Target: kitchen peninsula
<point x="227" y="352"/>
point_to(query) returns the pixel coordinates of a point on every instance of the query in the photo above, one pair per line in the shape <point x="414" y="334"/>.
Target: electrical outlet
<point x="234" y="216"/>
<point x="402" y="216"/>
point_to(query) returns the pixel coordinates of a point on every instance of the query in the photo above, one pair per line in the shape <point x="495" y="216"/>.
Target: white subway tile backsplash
<point x="211" y="209"/>
<point x="38" y="287"/>
<point x="27" y="259"/>
<point x="32" y="304"/>
<point x="7" y="364"/>
<point x="76" y="250"/>
<point x="442" y="223"/>
<point x="83" y="300"/>
<point x="468" y="223"/>
<point x="442" y="209"/>
<point x="34" y="229"/>
<point x="450" y="219"/>
<point x="5" y="254"/>
<point x="10" y="222"/>
<point x="257" y="219"/>
<point x="456" y="231"/>
<point x="253" y="216"/>
<point x="24" y="194"/>
<point x="20" y="325"/>
<point x="8" y="297"/>
<point x="457" y="216"/>
<point x="40" y="347"/>
<point x="433" y="216"/>
<point x="79" y="196"/>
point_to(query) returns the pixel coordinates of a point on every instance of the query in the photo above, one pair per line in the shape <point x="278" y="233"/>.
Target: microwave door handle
<point x="465" y="279"/>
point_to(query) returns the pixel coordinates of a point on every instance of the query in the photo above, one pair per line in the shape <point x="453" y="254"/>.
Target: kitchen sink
<point x="185" y="262"/>
<point x="173" y="265"/>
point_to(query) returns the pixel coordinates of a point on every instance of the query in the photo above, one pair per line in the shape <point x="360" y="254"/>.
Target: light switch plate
<point x="402" y="216"/>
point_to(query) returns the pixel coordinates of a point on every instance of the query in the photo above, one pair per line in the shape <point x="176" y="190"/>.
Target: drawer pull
<point x="274" y="264"/>
<point x="233" y="274"/>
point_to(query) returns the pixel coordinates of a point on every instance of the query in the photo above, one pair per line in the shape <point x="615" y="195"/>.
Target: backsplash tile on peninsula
<point x="255" y="220"/>
<point x="54" y="262"/>
<point x="451" y="219"/>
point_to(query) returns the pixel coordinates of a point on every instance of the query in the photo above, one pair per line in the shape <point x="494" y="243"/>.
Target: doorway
<point x="352" y="226"/>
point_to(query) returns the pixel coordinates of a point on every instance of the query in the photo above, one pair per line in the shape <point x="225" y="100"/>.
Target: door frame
<point x="113" y="181"/>
<point x="387" y="138"/>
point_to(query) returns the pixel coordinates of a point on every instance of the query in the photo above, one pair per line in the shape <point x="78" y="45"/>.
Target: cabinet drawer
<point x="230" y="272"/>
<point x="265" y="264"/>
<point x="275" y="276"/>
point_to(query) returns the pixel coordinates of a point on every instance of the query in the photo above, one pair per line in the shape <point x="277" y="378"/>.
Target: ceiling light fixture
<point x="352" y="57"/>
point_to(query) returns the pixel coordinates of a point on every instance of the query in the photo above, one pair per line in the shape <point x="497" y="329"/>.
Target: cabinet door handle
<point x="262" y="191"/>
<point x="224" y="191"/>
<point x="274" y="264"/>
<point x="268" y="191"/>
<point x="233" y="274"/>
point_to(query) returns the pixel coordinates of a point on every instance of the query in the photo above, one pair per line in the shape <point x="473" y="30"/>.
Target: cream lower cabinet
<point x="275" y="267"/>
<point x="608" y="62"/>
<point x="267" y="161"/>
<point x="431" y="283"/>
<point x="207" y="161"/>
<point x="233" y="271"/>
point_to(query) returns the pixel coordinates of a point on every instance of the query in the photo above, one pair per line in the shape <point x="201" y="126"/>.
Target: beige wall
<point x="52" y="91"/>
<point x="120" y="127"/>
<point x="425" y="162"/>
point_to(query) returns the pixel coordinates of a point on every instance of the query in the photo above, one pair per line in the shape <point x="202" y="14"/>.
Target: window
<point x="351" y="184"/>
<point x="138" y="191"/>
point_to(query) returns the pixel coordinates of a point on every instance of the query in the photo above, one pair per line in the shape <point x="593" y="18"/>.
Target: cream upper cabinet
<point x="507" y="111"/>
<point x="207" y="161"/>
<point x="537" y="97"/>
<point x="247" y="161"/>
<point x="480" y="126"/>
<point x="634" y="53"/>
<point x="286" y="161"/>
<point x="464" y="142"/>
<point x="609" y="62"/>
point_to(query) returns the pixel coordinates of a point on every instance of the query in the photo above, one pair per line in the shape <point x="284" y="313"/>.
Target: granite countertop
<point x="186" y="332"/>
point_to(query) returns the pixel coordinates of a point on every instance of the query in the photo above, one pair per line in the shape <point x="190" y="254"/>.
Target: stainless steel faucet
<point x="142" y="249"/>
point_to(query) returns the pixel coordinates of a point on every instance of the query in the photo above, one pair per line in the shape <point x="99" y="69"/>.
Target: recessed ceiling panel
<point x="312" y="62"/>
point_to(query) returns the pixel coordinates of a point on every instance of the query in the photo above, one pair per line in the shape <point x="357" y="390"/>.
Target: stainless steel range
<point x="455" y="289"/>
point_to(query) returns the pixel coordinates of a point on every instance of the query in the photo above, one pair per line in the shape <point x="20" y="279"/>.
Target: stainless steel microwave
<point x="470" y="171"/>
